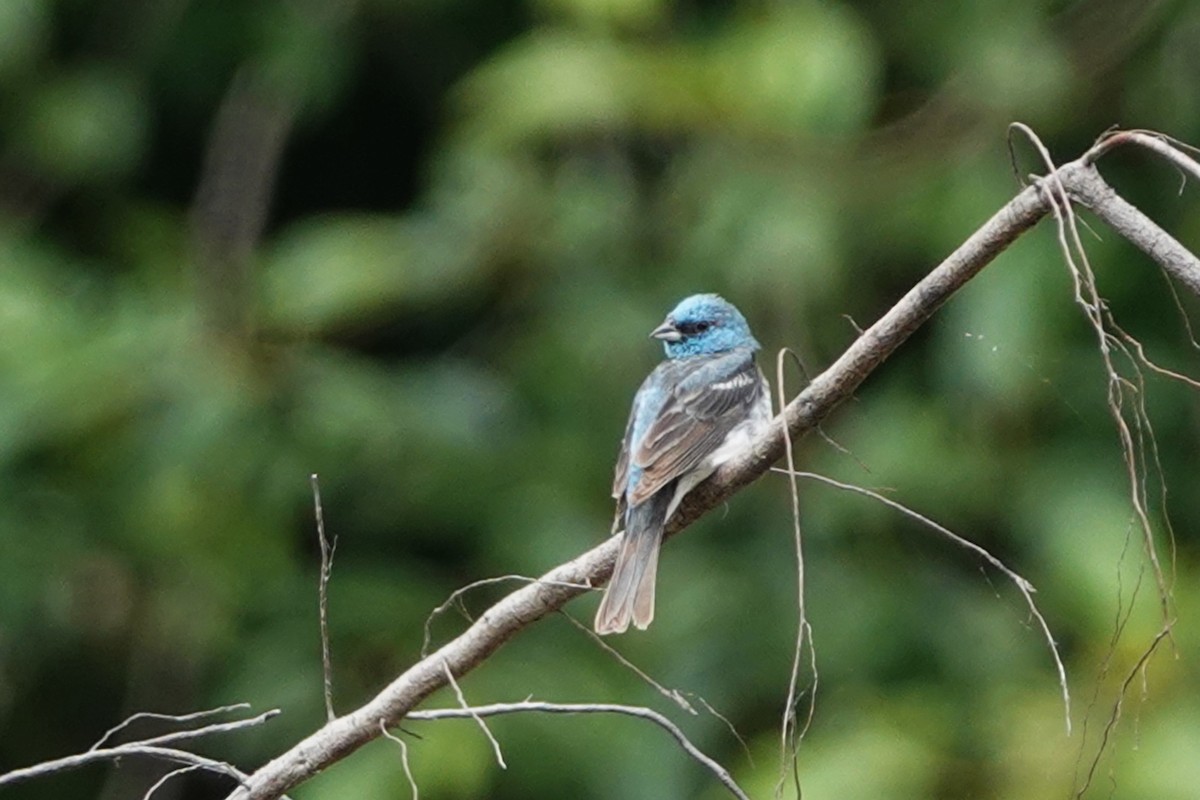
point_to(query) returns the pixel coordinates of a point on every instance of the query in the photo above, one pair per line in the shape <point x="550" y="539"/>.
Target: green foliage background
<point x="481" y="209"/>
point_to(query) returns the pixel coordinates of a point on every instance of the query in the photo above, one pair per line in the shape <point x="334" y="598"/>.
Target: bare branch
<point x="805" y="412"/>
<point x="1087" y="296"/>
<point x="219" y="727"/>
<point x="151" y="748"/>
<point x="1089" y="188"/>
<point x="477" y="712"/>
<point x="1100" y="198"/>
<point x="327" y="550"/>
<point x="1170" y="149"/>
<point x="116" y="754"/>
<point x="192" y="717"/>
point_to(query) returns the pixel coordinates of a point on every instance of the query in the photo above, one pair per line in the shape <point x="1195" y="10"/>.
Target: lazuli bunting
<point x="692" y="413"/>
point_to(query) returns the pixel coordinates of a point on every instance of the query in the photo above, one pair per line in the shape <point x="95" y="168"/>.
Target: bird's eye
<point x="692" y="328"/>
<point x="701" y="327"/>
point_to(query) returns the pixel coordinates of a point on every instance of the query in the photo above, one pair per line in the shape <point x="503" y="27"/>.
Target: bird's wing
<point x="708" y="398"/>
<point x="646" y="403"/>
<point x="621" y="474"/>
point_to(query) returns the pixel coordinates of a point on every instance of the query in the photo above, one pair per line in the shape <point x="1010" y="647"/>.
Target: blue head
<point x="704" y="324"/>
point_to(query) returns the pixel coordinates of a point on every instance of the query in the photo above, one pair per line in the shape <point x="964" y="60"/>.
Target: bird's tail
<point x="630" y="593"/>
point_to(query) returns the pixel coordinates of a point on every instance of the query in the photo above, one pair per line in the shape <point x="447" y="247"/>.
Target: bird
<point x="695" y="410"/>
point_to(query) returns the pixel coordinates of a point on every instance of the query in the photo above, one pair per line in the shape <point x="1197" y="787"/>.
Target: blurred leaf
<point x="325" y="273"/>
<point x="622" y="13"/>
<point x="85" y="125"/>
<point x="806" y="68"/>
<point x="24" y="29"/>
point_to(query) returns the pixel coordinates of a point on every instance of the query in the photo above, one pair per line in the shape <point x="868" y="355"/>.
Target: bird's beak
<point x="667" y="332"/>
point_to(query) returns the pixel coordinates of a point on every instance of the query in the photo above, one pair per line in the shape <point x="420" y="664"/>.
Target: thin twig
<point x="478" y="712"/>
<point x="151" y="747"/>
<point x="1024" y="586"/>
<point x="1165" y="146"/>
<point x="729" y="725"/>
<point x="327" y="550"/>
<point x="117" y="753"/>
<point x="454" y="600"/>
<point x="412" y="782"/>
<point x="1143" y="419"/>
<point x="1183" y="314"/>
<point x="1140" y="351"/>
<point x="674" y="695"/>
<point x="141" y="715"/>
<point x="175" y="773"/>
<point x="462" y="701"/>
<point x="218" y="727"/>
<point x="1096" y="313"/>
<point x="1115" y="717"/>
<point x="789" y="739"/>
<point x="1121" y="616"/>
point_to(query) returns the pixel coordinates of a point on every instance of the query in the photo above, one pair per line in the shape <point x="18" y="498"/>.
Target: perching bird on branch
<point x="693" y="412"/>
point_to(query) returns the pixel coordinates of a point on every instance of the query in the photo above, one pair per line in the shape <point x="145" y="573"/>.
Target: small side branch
<point x="790" y="733"/>
<point x="117" y="753"/>
<point x="412" y="782"/>
<point x="1023" y="585"/>
<point x="170" y="776"/>
<point x="455" y="600"/>
<point x="466" y="708"/>
<point x="478" y="712"/>
<point x="153" y="747"/>
<point x="1118" y="706"/>
<point x="178" y="718"/>
<point x="327" y="550"/>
